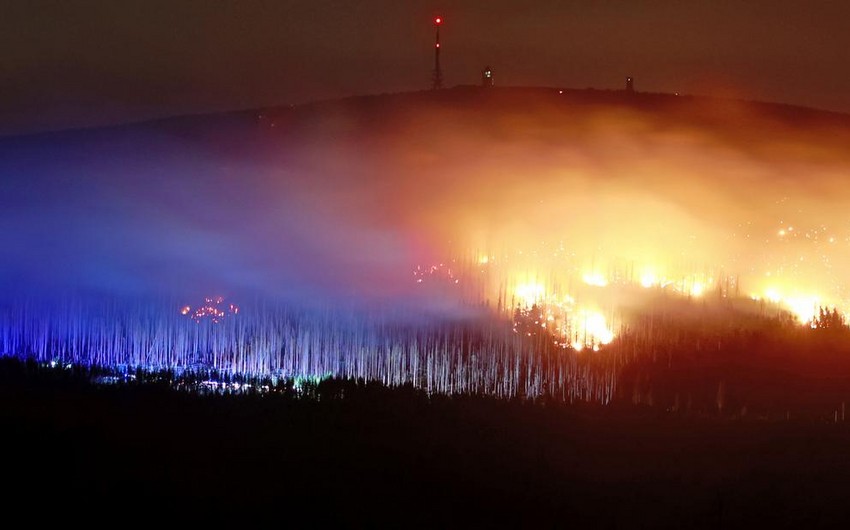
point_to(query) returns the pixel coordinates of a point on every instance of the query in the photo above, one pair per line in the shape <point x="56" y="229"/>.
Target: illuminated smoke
<point x="568" y="212"/>
<point x="340" y="203"/>
<point x="704" y="198"/>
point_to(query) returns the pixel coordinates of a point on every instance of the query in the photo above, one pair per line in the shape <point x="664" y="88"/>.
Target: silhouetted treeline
<point x="365" y="454"/>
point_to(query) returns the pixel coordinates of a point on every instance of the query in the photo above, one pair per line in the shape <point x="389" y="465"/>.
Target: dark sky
<point x="71" y="63"/>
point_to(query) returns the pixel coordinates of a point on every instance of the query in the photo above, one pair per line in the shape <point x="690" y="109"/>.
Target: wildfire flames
<point x="213" y="309"/>
<point x="582" y="213"/>
<point x="565" y="212"/>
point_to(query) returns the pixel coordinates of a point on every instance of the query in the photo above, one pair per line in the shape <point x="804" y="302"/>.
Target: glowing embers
<point x="804" y="307"/>
<point x="691" y="286"/>
<point x="529" y="293"/>
<point x="648" y="279"/>
<point x="441" y="273"/>
<point x="569" y="324"/>
<point x="569" y="327"/>
<point x="591" y="330"/>
<point x="696" y="288"/>
<point x="595" y="279"/>
<point x="213" y="309"/>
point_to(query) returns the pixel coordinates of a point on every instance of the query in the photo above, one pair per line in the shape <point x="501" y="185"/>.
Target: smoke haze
<point x="343" y="201"/>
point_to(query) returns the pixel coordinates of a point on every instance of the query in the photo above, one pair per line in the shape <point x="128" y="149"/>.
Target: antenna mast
<point x="438" y="72"/>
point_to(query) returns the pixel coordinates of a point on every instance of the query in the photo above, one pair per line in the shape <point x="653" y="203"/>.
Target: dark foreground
<point x="393" y="457"/>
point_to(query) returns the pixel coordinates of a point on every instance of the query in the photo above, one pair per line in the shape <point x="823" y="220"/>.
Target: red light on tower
<point x="438" y="73"/>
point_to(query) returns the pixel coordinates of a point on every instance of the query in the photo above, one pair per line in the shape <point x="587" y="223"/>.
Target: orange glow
<point x="648" y="279"/>
<point x="529" y="293"/>
<point x="544" y="199"/>
<point x="212" y="310"/>
<point x="595" y="279"/>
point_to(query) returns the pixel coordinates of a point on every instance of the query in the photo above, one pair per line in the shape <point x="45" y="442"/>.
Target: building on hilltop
<point x="487" y="77"/>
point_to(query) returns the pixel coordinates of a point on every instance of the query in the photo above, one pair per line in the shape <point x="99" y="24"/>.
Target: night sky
<point x="76" y="63"/>
<point x="682" y="261"/>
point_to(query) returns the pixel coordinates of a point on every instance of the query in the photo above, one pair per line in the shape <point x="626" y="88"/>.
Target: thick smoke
<point x="339" y="203"/>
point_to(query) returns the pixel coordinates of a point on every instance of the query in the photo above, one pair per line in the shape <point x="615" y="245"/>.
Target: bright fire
<point x="623" y="206"/>
<point x="570" y="323"/>
<point x="213" y="309"/>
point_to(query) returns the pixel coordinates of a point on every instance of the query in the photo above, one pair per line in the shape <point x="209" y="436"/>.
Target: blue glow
<point x="482" y="357"/>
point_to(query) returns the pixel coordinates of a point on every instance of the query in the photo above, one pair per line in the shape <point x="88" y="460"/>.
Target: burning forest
<point x="519" y="243"/>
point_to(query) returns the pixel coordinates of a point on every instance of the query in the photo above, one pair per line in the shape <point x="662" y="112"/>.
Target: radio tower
<point x="438" y="72"/>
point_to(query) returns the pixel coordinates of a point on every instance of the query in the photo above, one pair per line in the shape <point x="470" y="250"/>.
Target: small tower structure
<point x="487" y="77"/>
<point x="438" y="72"/>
